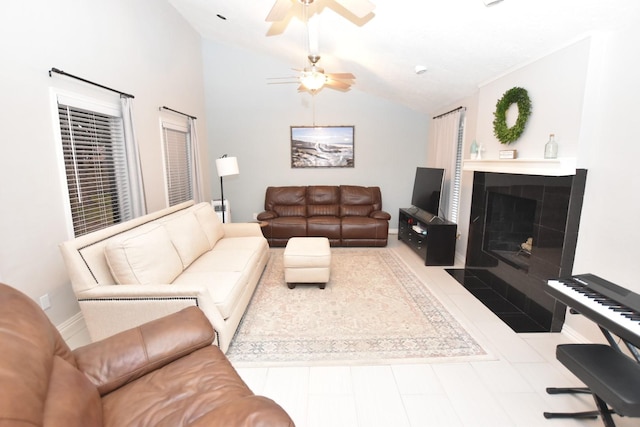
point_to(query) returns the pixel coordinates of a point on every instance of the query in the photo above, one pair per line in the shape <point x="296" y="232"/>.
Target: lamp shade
<point x="227" y="166"/>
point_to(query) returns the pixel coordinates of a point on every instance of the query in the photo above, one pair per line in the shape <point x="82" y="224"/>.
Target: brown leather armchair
<point x="347" y="215"/>
<point x="162" y="373"/>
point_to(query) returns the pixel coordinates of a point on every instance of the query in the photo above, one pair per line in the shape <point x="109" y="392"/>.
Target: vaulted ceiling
<point x="462" y="43"/>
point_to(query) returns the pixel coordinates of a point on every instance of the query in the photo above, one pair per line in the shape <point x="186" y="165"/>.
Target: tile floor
<point x="506" y="391"/>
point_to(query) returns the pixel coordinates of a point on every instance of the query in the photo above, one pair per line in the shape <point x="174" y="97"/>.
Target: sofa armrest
<point x="124" y="357"/>
<point x="242" y="229"/>
<point x="110" y="309"/>
<point x="380" y="215"/>
<point x="266" y="215"/>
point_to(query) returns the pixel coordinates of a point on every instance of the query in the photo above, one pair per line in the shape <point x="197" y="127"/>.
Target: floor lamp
<point x="226" y="166"/>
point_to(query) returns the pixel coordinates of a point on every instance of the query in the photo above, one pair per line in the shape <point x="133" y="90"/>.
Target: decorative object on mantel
<point x="515" y="95"/>
<point x="551" y="148"/>
<point x="474" y="150"/>
<point x="508" y="154"/>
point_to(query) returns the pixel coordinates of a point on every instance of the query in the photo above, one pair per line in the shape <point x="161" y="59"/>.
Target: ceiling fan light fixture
<point x="313" y="80"/>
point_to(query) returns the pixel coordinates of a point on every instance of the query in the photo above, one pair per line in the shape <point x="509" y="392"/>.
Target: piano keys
<point x="610" y="306"/>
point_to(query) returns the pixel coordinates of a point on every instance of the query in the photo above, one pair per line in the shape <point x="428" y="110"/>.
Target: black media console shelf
<point x="433" y="238"/>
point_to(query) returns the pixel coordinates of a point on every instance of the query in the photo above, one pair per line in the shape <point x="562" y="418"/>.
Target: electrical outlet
<point x="255" y="216"/>
<point x="45" y="302"/>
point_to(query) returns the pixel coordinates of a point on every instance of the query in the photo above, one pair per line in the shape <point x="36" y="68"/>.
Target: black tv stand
<point x="430" y="236"/>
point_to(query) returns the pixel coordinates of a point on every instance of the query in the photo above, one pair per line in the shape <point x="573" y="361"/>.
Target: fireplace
<point x="508" y="228"/>
<point x="523" y="231"/>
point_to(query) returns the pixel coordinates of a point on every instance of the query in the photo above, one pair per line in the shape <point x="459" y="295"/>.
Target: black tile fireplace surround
<point x="507" y="210"/>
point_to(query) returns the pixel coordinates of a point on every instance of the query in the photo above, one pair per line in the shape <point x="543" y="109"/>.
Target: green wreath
<point x="515" y="95"/>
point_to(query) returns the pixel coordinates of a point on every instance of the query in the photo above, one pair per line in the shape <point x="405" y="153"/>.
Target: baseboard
<point x="573" y="334"/>
<point x="393" y="231"/>
<point x="74" y="331"/>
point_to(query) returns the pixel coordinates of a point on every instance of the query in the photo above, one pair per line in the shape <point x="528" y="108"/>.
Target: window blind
<point x="95" y="167"/>
<point x="177" y="165"/>
<point x="457" y="174"/>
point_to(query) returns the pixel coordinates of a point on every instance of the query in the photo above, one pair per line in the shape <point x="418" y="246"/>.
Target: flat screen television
<point x="427" y="188"/>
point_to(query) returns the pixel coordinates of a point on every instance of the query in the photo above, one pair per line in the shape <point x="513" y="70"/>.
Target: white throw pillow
<point x="210" y="222"/>
<point x="144" y="255"/>
<point x="188" y="237"/>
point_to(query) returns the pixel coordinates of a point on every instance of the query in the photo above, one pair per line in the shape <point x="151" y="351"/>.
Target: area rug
<point x="373" y="310"/>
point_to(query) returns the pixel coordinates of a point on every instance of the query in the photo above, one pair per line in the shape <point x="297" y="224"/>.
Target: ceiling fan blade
<point x="359" y="8"/>
<point x="283" y="83"/>
<point x="341" y="76"/>
<point x="336" y="84"/>
<point x="279" y="11"/>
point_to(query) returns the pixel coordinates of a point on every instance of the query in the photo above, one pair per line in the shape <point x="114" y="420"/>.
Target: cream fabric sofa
<point x="160" y="263"/>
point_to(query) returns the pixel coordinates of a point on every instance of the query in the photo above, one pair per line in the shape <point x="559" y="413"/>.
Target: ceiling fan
<point x="313" y="78"/>
<point x="281" y="8"/>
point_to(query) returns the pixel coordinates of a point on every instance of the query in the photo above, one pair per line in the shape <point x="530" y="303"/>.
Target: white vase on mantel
<point x="551" y="148"/>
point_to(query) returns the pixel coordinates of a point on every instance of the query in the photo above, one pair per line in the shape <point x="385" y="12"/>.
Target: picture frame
<point x="508" y="154"/>
<point x="322" y="146"/>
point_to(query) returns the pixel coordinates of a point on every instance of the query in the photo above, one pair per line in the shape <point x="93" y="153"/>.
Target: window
<point x="93" y="149"/>
<point x="178" y="162"/>
<point x="448" y="138"/>
<point x="457" y="174"/>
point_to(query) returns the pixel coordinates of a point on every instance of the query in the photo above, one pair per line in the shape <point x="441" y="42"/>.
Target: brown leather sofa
<point x="347" y="215"/>
<point x="163" y="373"/>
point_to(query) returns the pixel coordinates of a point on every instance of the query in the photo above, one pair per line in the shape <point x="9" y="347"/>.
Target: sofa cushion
<point x="144" y="255"/>
<point x="324" y="226"/>
<point x="356" y="210"/>
<point x="224" y="287"/>
<point x="323" y="200"/>
<point x="356" y="195"/>
<point x="286" y="227"/>
<point x="354" y="227"/>
<point x="224" y="273"/>
<point x="210" y="222"/>
<point x="323" y="210"/>
<point x="225" y="270"/>
<point x="286" y="201"/>
<point x="290" y="210"/>
<point x="187" y="236"/>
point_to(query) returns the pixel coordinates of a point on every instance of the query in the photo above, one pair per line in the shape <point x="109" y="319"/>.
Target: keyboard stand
<point x="603" y="409"/>
<point x="601" y="367"/>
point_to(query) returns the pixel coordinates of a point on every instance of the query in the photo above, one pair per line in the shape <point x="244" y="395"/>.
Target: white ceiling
<point x="463" y="43"/>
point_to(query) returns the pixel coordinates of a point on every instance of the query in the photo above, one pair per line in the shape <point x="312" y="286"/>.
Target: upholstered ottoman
<point x="307" y="260"/>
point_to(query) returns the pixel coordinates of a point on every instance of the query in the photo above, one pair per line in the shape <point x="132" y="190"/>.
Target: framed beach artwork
<point x="322" y="146"/>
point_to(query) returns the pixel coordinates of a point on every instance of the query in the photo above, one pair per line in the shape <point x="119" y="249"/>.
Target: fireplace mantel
<point x="550" y="167"/>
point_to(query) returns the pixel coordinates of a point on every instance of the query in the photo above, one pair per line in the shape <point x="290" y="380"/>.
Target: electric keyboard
<point x="613" y="307"/>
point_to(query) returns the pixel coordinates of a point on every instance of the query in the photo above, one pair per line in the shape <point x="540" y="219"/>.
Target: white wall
<point x="587" y="94"/>
<point x="556" y="85"/>
<point x="609" y="232"/>
<point x="251" y="119"/>
<point x="141" y="47"/>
